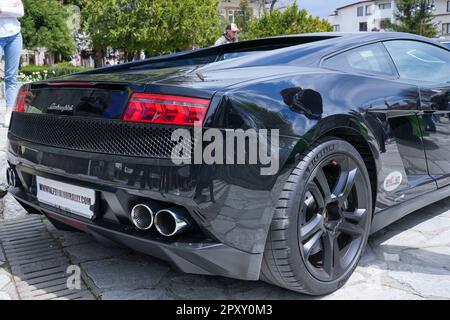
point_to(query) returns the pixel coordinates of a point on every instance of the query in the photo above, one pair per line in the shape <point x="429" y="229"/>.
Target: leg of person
<point x="3" y="89"/>
<point x="13" y="51"/>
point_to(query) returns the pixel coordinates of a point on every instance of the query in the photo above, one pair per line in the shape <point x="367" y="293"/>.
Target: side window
<point x="371" y="59"/>
<point x="420" y="61"/>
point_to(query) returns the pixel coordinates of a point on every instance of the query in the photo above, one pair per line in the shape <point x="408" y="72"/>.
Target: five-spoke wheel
<point x="333" y="216"/>
<point x="322" y="220"/>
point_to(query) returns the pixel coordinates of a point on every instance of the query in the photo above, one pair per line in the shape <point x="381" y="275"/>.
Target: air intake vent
<point x="95" y="135"/>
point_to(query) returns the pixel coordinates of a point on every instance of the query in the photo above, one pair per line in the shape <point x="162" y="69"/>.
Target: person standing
<point x="11" y="48"/>
<point x="229" y="36"/>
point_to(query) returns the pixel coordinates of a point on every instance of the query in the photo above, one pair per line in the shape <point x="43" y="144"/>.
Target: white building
<point x="230" y="8"/>
<point x="374" y="15"/>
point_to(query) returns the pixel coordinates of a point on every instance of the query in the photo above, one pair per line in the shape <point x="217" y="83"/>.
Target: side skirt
<point x="390" y="215"/>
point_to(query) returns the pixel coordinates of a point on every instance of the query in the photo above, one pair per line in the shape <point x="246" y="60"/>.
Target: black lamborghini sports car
<point x="362" y="138"/>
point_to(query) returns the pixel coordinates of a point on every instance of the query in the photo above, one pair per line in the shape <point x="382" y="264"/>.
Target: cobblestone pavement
<point x="408" y="260"/>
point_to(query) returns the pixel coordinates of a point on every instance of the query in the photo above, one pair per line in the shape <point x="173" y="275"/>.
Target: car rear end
<point x="97" y="156"/>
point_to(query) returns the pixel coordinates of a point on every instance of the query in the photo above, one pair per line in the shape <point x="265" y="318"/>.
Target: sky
<point x="321" y="8"/>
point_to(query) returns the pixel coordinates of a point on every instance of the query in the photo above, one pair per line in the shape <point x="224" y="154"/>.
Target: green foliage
<point x="158" y="26"/>
<point x="290" y="21"/>
<point x="420" y="22"/>
<point x="244" y="16"/>
<point x="45" y="25"/>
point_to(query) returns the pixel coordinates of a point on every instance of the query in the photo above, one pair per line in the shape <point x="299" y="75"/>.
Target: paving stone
<point x="92" y="251"/>
<point x="144" y="294"/>
<point x="356" y="277"/>
<point x="441" y="239"/>
<point x="197" y="287"/>
<point x="4" y="296"/>
<point x="368" y="255"/>
<point x="2" y="257"/>
<point x="125" y="273"/>
<point x="438" y="257"/>
<point x="12" y="209"/>
<point x="408" y="238"/>
<point x="258" y="290"/>
<point x="4" y="280"/>
<point x="366" y="291"/>
<point x="75" y="238"/>
<point x="428" y="281"/>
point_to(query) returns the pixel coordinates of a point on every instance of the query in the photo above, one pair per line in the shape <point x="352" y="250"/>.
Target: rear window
<point x="370" y="59"/>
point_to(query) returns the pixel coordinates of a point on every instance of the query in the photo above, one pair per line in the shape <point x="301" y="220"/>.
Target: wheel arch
<point x="362" y="146"/>
<point x="355" y="130"/>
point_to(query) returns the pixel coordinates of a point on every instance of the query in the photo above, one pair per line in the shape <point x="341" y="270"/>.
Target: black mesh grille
<point x="95" y="135"/>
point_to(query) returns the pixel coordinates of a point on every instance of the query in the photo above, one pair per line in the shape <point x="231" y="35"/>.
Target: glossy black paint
<point x="286" y="89"/>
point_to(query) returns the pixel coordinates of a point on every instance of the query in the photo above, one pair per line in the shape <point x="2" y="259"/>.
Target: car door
<point x="391" y="109"/>
<point x="428" y="66"/>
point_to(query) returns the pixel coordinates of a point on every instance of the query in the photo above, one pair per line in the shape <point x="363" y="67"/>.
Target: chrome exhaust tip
<point x="142" y="216"/>
<point x="172" y="221"/>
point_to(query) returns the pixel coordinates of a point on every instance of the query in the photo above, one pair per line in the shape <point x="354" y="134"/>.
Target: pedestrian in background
<point x="229" y="36"/>
<point x="11" y="48"/>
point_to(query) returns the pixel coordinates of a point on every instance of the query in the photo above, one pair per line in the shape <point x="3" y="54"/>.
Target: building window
<point x="336" y="28"/>
<point x="448" y="6"/>
<point x="360" y="11"/>
<point x="363" y="26"/>
<point x="368" y="10"/>
<point x="385" y="6"/>
<point x="385" y="23"/>
<point x="445" y="28"/>
<point x="231" y="16"/>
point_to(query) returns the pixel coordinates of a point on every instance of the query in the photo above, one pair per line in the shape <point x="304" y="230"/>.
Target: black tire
<point x="297" y="256"/>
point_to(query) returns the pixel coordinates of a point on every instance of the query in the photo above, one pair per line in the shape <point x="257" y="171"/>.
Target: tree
<point x="243" y="17"/>
<point x="415" y="21"/>
<point x="290" y="21"/>
<point x="45" y="25"/>
<point x="272" y="5"/>
<point x="158" y="26"/>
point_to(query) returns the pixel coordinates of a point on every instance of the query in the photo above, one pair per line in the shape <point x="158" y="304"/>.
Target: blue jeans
<point x="12" y="47"/>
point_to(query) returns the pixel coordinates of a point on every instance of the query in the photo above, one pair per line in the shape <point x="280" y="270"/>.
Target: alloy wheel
<point x="333" y="217"/>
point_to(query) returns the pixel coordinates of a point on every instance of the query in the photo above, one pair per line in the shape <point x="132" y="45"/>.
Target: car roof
<point x="314" y="52"/>
<point x="325" y="43"/>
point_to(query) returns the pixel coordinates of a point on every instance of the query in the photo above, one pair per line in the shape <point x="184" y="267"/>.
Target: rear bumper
<point x="232" y="204"/>
<point x="206" y="258"/>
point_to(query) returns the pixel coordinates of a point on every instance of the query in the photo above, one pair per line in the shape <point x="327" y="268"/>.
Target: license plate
<point x="74" y="199"/>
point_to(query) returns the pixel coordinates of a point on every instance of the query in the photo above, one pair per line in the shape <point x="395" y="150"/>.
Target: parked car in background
<point x="363" y="122"/>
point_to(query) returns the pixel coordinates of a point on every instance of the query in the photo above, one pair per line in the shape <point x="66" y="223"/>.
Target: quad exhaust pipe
<point x="173" y="221"/>
<point x="168" y="222"/>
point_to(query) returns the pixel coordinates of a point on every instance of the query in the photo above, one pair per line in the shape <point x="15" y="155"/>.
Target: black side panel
<point x="436" y="131"/>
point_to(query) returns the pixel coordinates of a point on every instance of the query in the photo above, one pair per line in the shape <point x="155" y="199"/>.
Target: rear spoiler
<point x="212" y="54"/>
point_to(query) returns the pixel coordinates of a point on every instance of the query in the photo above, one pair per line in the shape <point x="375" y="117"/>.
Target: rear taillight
<point x="166" y="109"/>
<point x="21" y="101"/>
